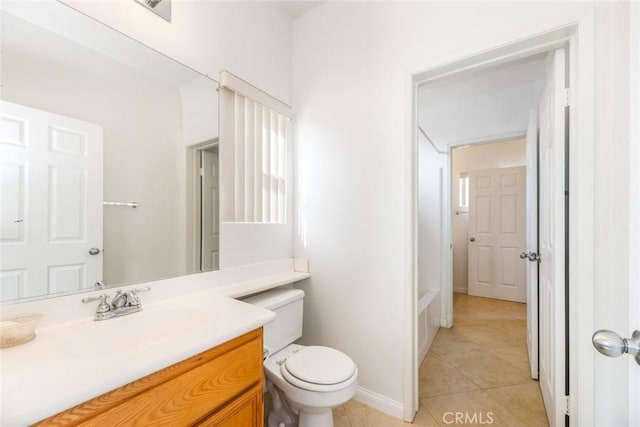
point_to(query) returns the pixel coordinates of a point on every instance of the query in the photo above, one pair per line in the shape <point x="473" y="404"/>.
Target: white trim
<point x="379" y="402"/>
<point x="581" y="222"/>
<point x="634" y="199"/>
<point x="446" y="245"/>
<point x="409" y="406"/>
<point x="236" y="84"/>
<point x="490" y="139"/>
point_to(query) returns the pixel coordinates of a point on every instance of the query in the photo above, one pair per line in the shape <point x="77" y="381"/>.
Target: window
<point x="463" y="192"/>
<point x="253" y="153"/>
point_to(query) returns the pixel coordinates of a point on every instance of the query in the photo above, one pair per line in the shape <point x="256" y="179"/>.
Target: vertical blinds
<point x="253" y="153"/>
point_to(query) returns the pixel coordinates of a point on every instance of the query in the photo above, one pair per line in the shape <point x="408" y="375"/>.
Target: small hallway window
<point x="463" y="192"/>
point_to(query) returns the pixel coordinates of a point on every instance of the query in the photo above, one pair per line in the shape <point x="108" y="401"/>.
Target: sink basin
<point x="135" y="331"/>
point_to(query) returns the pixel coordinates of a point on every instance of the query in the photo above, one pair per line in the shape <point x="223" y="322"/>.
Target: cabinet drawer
<point x="181" y="394"/>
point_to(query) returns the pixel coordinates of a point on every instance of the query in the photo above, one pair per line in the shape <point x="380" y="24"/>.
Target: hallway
<point x="478" y="369"/>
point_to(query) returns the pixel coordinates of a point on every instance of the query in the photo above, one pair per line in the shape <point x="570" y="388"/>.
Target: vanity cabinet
<point x="219" y="387"/>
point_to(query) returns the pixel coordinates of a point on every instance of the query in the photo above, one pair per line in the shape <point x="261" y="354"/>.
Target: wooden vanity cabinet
<point x="219" y="387"/>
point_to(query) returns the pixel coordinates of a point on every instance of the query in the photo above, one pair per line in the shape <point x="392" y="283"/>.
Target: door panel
<point x="67" y="202"/>
<point x="551" y="239"/>
<point x="209" y="204"/>
<point x="497" y="233"/>
<point x="12" y="198"/>
<point x="51" y="202"/>
<point x="64" y="278"/>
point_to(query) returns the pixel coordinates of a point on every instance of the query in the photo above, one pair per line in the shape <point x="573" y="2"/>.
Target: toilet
<point x="305" y="382"/>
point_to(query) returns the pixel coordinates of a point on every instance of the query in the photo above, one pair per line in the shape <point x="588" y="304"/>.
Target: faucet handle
<point x="132" y="295"/>
<point x="101" y="298"/>
<point x="103" y="306"/>
<point x="132" y="298"/>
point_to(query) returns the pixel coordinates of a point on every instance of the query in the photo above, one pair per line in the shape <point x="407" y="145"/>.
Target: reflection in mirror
<point x="108" y="159"/>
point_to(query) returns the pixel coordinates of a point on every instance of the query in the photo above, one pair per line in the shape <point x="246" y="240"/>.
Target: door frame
<point x="634" y="196"/>
<point x="193" y="223"/>
<point x="579" y="35"/>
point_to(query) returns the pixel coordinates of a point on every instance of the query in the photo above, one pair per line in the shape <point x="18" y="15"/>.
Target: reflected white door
<point x="497" y="233"/>
<point x="210" y="238"/>
<point x="532" y="242"/>
<point x="50" y="202"/>
<point x="552" y="239"/>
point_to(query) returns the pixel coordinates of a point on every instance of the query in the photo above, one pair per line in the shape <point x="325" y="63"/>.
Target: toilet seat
<point x="317" y="368"/>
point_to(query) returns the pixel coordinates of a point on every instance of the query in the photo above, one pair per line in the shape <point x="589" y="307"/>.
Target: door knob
<point x="473" y="239"/>
<point x="611" y="344"/>
<point x="532" y="256"/>
<point x="94" y="251"/>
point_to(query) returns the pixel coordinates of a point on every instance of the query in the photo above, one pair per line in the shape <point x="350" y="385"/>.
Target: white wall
<point x="199" y="100"/>
<point x="431" y="169"/>
<point x="352" y="62"/>
<point x="476" y="157"/>
<point x="250" y="39"/>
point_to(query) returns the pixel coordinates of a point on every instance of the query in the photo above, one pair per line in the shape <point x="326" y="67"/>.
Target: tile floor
<point x="478" y="369"/>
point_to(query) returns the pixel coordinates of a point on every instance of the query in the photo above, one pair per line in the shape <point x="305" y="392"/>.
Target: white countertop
<point x="74" y="361"/>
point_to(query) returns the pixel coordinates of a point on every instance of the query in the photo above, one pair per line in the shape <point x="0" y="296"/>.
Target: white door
<point x="616" y="304"/>
<point x="210" y="234"/>
<point x="532" y="242"/>
<point x="497" y="233"/>
<point x="552" y="239"/>
<point x="50" y="202"/>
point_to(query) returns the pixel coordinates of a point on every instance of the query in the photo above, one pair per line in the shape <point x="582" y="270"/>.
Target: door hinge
<point x="201" y="171"/>
<point x="565" y="97"/>
<point x="567" y="408"/>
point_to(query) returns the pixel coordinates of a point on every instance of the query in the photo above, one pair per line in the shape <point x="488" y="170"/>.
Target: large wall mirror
<point x="108" y="158"/>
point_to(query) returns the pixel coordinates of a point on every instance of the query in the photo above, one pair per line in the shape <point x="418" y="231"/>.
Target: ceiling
<point x="493" y="103"/>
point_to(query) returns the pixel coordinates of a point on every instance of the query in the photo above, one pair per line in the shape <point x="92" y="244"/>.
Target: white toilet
<point x="313" y="379"/>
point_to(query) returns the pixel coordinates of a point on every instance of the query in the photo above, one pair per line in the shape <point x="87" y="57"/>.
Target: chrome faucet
<point x="124" y="302"/>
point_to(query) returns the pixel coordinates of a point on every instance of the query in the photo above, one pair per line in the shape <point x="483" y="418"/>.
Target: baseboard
<point x="460" y="290"/>
<point x="379" y="402"/>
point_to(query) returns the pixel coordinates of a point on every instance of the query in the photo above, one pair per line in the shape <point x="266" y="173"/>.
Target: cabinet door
<point x="204" y="386"/>
<point x="245" y="411"/>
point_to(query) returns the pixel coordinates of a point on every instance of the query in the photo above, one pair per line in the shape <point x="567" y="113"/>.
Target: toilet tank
<point x="287" y="326"/>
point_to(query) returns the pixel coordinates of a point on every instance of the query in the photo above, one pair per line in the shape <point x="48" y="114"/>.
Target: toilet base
<point x="315" y="419"/>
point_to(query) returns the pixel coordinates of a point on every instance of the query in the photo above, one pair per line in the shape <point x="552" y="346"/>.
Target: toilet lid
<point x="320" y="365"/>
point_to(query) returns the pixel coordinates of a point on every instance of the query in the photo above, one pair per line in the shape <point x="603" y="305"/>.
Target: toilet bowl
<point x="312" y="379"/>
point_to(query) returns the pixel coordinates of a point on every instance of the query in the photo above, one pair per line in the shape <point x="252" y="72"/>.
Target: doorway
<point x="488" y="219"/>
<point x="209" y="202"/>
<point x="203" y="213"/>
<point x="476" y="107"/>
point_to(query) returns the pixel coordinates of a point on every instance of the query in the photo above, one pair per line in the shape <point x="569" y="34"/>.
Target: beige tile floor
<point x="479" y="368"/>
